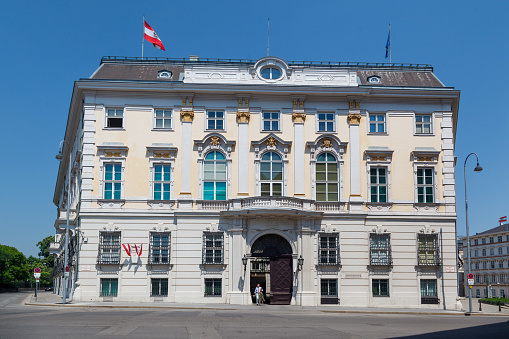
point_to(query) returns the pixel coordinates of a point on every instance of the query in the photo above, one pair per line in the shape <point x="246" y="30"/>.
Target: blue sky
<point x="46" y="46"/>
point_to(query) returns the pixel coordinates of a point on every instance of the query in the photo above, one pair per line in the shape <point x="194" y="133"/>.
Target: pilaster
<point x="299" y="117"/>
<point x="187" y="116"/>
<point x="243" y="117"/>
<point x="354" y="119"/>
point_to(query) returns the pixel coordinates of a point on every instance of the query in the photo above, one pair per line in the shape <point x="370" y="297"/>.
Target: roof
<point x="147" y="69"/>
<point x="498" y="229"/>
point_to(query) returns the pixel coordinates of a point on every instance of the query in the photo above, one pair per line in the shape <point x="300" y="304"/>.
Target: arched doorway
<point x="271" y="267"/>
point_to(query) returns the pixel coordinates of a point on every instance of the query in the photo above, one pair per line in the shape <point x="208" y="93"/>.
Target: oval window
<point x="271" y="73"/>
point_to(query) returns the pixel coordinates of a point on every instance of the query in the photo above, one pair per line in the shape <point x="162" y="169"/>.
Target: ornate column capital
<point x="354" y="118"/>
<point x="299" y="117"/>
<point x="243" y="117"/>
<point x="187" y="116"/>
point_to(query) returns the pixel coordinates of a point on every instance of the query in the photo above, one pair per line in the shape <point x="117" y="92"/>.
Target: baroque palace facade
<point x="193" y="180"/>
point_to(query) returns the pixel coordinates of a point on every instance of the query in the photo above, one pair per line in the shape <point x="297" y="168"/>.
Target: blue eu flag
<point x="388" y="45"/>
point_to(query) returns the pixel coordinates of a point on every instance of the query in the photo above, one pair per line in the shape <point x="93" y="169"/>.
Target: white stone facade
<point x="341" y="214"/>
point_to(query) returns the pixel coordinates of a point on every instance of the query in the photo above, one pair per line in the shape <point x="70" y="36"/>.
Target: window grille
<point x="109" y="248"/>
<point x="159" y="252"/>
<point x="380" y="287"/>
<point x="428" y="254"/>
<point x="429" y="293"/>
<point x="329" y="291"/>
<point x="109" y="287"/>
<point x="159" y="288"/>
<point x="212" y="248"/>
<point x="380" y="250"/>
<point x="213" y="287"/>
<point x="329" y="249"/>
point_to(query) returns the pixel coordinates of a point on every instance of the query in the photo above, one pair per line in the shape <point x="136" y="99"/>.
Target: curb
<point x="233" y="309"/>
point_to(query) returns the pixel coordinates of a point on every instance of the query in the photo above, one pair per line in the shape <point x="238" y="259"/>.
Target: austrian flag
<point x="152" y="37"/>
<point x="503" y="219"/>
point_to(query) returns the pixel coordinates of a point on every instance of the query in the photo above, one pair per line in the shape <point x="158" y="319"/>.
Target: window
<point x="327" y="185"/>
<point x="212" y="247"/>
<point x="491" y="240"/>
<point x="492" y="264"/>
<point x="507" y="249"/>
<point x="380" y="249"/>
<point x="477" y="279"/>
<point x="484" y="264"/>
<point x="162" y="182"/>
<point x="329" y="291"/>
<point x="483" y="241"/>
<point x="507" y="238"/>
<point x="501" y="278"/>
<point x="159" y="248"/>
<point x="378" y="184"/>
<point x="483" y="252"/>
<point x="477" y="293"/>
<point x="476" y="253"/>
<point x="477" y="265"/>
<point x="109" y="248"/>
<point x="271" y="73"/>
<point x="109" y="287"/>
<point x="499" y="238"/>
<point x="159" y="287"/>
<point x="380" y="287"/>
<point x="500" y="264"/>
<point x="476" y="242"/>
<point x="271" y="174"/>
<point x="428" y="250"/>
<point x="162" y="118"/>
<point x="271" y="121"/>
<point x="212" y="287"/>
<point x="215" y="120"/>
<point x="329" y="249"/>
<point x="492" y="251"/>
<point x="214" y="176"/>
<point x="326" y="122"/>
<point x="115" y="118"/>
<point x="502" y="293"/>
<point x="377" y="123"/>
<point x="423" y="124"/>
<point x="429" y="291"/>
<point x="112" y="181"/>
<point x="425" y="185"/>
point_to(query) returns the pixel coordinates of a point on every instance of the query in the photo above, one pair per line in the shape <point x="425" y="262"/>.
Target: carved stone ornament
<point x="426" y="158"/>
<point x="167" y="155"/>
<point x="299" y="117"/>
<point x="378" y="158"/>
<point x="272" y="142"/>
<point x="214" y="141"/>
<point x="187" y="116"/>
<point x="243" y="117"/>
<point x="326" y="143"/>
<point x="354" y="118"/>
<point x="113" y="154"/>
<point x="353" y="104"/>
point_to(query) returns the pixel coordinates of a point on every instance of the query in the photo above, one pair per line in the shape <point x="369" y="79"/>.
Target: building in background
<point x="326" y="183"/>
<point x="489" y="262"/>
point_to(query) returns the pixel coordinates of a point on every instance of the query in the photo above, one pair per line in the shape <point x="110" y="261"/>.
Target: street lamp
<point x="244" y="262"/>
<point x="476" y="169"/>
<point x="60" y="157"/>
<point x="300" y="262"/>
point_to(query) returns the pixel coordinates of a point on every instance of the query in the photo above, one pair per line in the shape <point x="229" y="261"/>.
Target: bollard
<point x="480" y="308"/>
<point x="499" y="306"/>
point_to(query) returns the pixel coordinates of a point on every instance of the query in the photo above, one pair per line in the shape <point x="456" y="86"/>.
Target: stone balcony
<point x="54" y="248"/>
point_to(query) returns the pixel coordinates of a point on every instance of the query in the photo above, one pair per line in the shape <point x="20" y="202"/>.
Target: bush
<point x="494" y="301"/>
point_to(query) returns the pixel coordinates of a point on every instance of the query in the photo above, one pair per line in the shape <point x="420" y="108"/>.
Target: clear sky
<point x="46" y="46"/>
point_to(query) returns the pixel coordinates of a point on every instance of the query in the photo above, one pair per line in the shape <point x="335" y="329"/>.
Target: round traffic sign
<point x="37" y="270"/>
<point x="470" y="276"/>
<point x="67" y="268"/>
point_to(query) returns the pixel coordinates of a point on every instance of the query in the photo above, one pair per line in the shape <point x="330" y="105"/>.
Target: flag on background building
<point x="151" y="36"/>
<point x="503" y="219"/>
<point x="388" y="44"/>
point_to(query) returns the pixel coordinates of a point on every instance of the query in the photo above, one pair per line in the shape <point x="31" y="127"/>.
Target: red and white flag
<point x="503" y="219"/>
<point x="152" y="37"/>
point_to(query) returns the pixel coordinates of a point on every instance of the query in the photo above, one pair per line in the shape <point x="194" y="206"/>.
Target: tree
<point x="46" y="272"/>
<point x="13" y="266"/>
<point x="44" y="250"/>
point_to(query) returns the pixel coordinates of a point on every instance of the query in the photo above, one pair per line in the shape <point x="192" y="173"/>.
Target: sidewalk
<point x="50" y="299"/>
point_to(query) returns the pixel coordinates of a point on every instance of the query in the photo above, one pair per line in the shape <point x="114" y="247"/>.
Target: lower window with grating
<point x="159" y="287"/>
<point x="329" y="291"/>
<point x="380" y="287"/>
<point x="213" y="287"/>
<point x="429" y="293"/>
<point x="109" y="287"/>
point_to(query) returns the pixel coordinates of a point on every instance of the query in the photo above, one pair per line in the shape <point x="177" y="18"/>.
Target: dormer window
<point x="271" y="69"/>
<point x="164" y="74"/>
<point x="374" y="79"/>
<point x="270" y="73"/>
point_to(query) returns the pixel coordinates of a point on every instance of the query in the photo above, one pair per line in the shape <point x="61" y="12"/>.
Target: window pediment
<point x="112" y="150"/>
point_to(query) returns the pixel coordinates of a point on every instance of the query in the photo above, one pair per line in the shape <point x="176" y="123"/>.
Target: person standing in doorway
<point x="258" y="294"/>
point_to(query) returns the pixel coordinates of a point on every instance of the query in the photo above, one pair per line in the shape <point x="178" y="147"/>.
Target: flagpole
<point x="390" y="45"/>
<point x="143" y="37"/>
<point x="268" y="35"/>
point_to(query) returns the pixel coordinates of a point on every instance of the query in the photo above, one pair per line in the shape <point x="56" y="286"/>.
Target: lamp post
<point x="476" y="169"/>
<point x="60" y="157"/>
<point x="244" y="262"/>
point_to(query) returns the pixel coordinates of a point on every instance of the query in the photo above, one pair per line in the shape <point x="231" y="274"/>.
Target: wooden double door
<point x="281" y="275"/>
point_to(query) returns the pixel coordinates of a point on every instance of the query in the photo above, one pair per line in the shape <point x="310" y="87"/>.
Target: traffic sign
<point x="37" y="275"/>
<point x="67" y="268"/>
<point x="470" y="281"/>
<point x="37" y="270"/>
<point x="36" y="279"/>
<point x="470" y="276"/>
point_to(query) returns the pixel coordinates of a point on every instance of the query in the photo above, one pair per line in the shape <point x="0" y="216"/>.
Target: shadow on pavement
<point x="499" y="330"/>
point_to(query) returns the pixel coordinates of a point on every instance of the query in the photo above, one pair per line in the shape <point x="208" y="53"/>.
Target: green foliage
<point x="44" y="246"/>
<point x="46" y="271"/>
<point x="13" y="266"/>
<point x="494" y="301"/>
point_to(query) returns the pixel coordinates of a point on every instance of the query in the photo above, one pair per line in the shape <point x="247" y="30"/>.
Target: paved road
<point x="20" y="321"/>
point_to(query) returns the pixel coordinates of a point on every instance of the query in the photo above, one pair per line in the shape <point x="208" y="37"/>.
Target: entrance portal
<point x="271" y="267"/>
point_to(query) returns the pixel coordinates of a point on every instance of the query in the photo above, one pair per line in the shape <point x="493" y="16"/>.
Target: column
<point x="354" y="119"/>
<point x="299" y="117"/>
<point x="185" y="197"/>
<point x="243" y="117"/>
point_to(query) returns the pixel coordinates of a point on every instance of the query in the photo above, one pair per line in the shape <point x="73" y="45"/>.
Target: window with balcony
<point x="212" y="248"/>
<point x="271" y="174"/>
<point x="328" y="249"/>
<point x="109" y="248"/>
<point x="109" y="287"/>
<point x="214" y="176"/>
<point x="380" y="287"/>
<point x="159" y="287"/>
<point x="429" y="293"/>
<point x="327" y="178"/>
<point x="159" y="252"/>
<point x="428" y="250"/>
<point x="380" y="249"/>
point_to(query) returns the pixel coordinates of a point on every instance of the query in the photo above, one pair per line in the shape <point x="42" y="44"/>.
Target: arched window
<point x="271" y="174"/>
<point x="214" y="176"/>
<point x="327" y="186"/>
